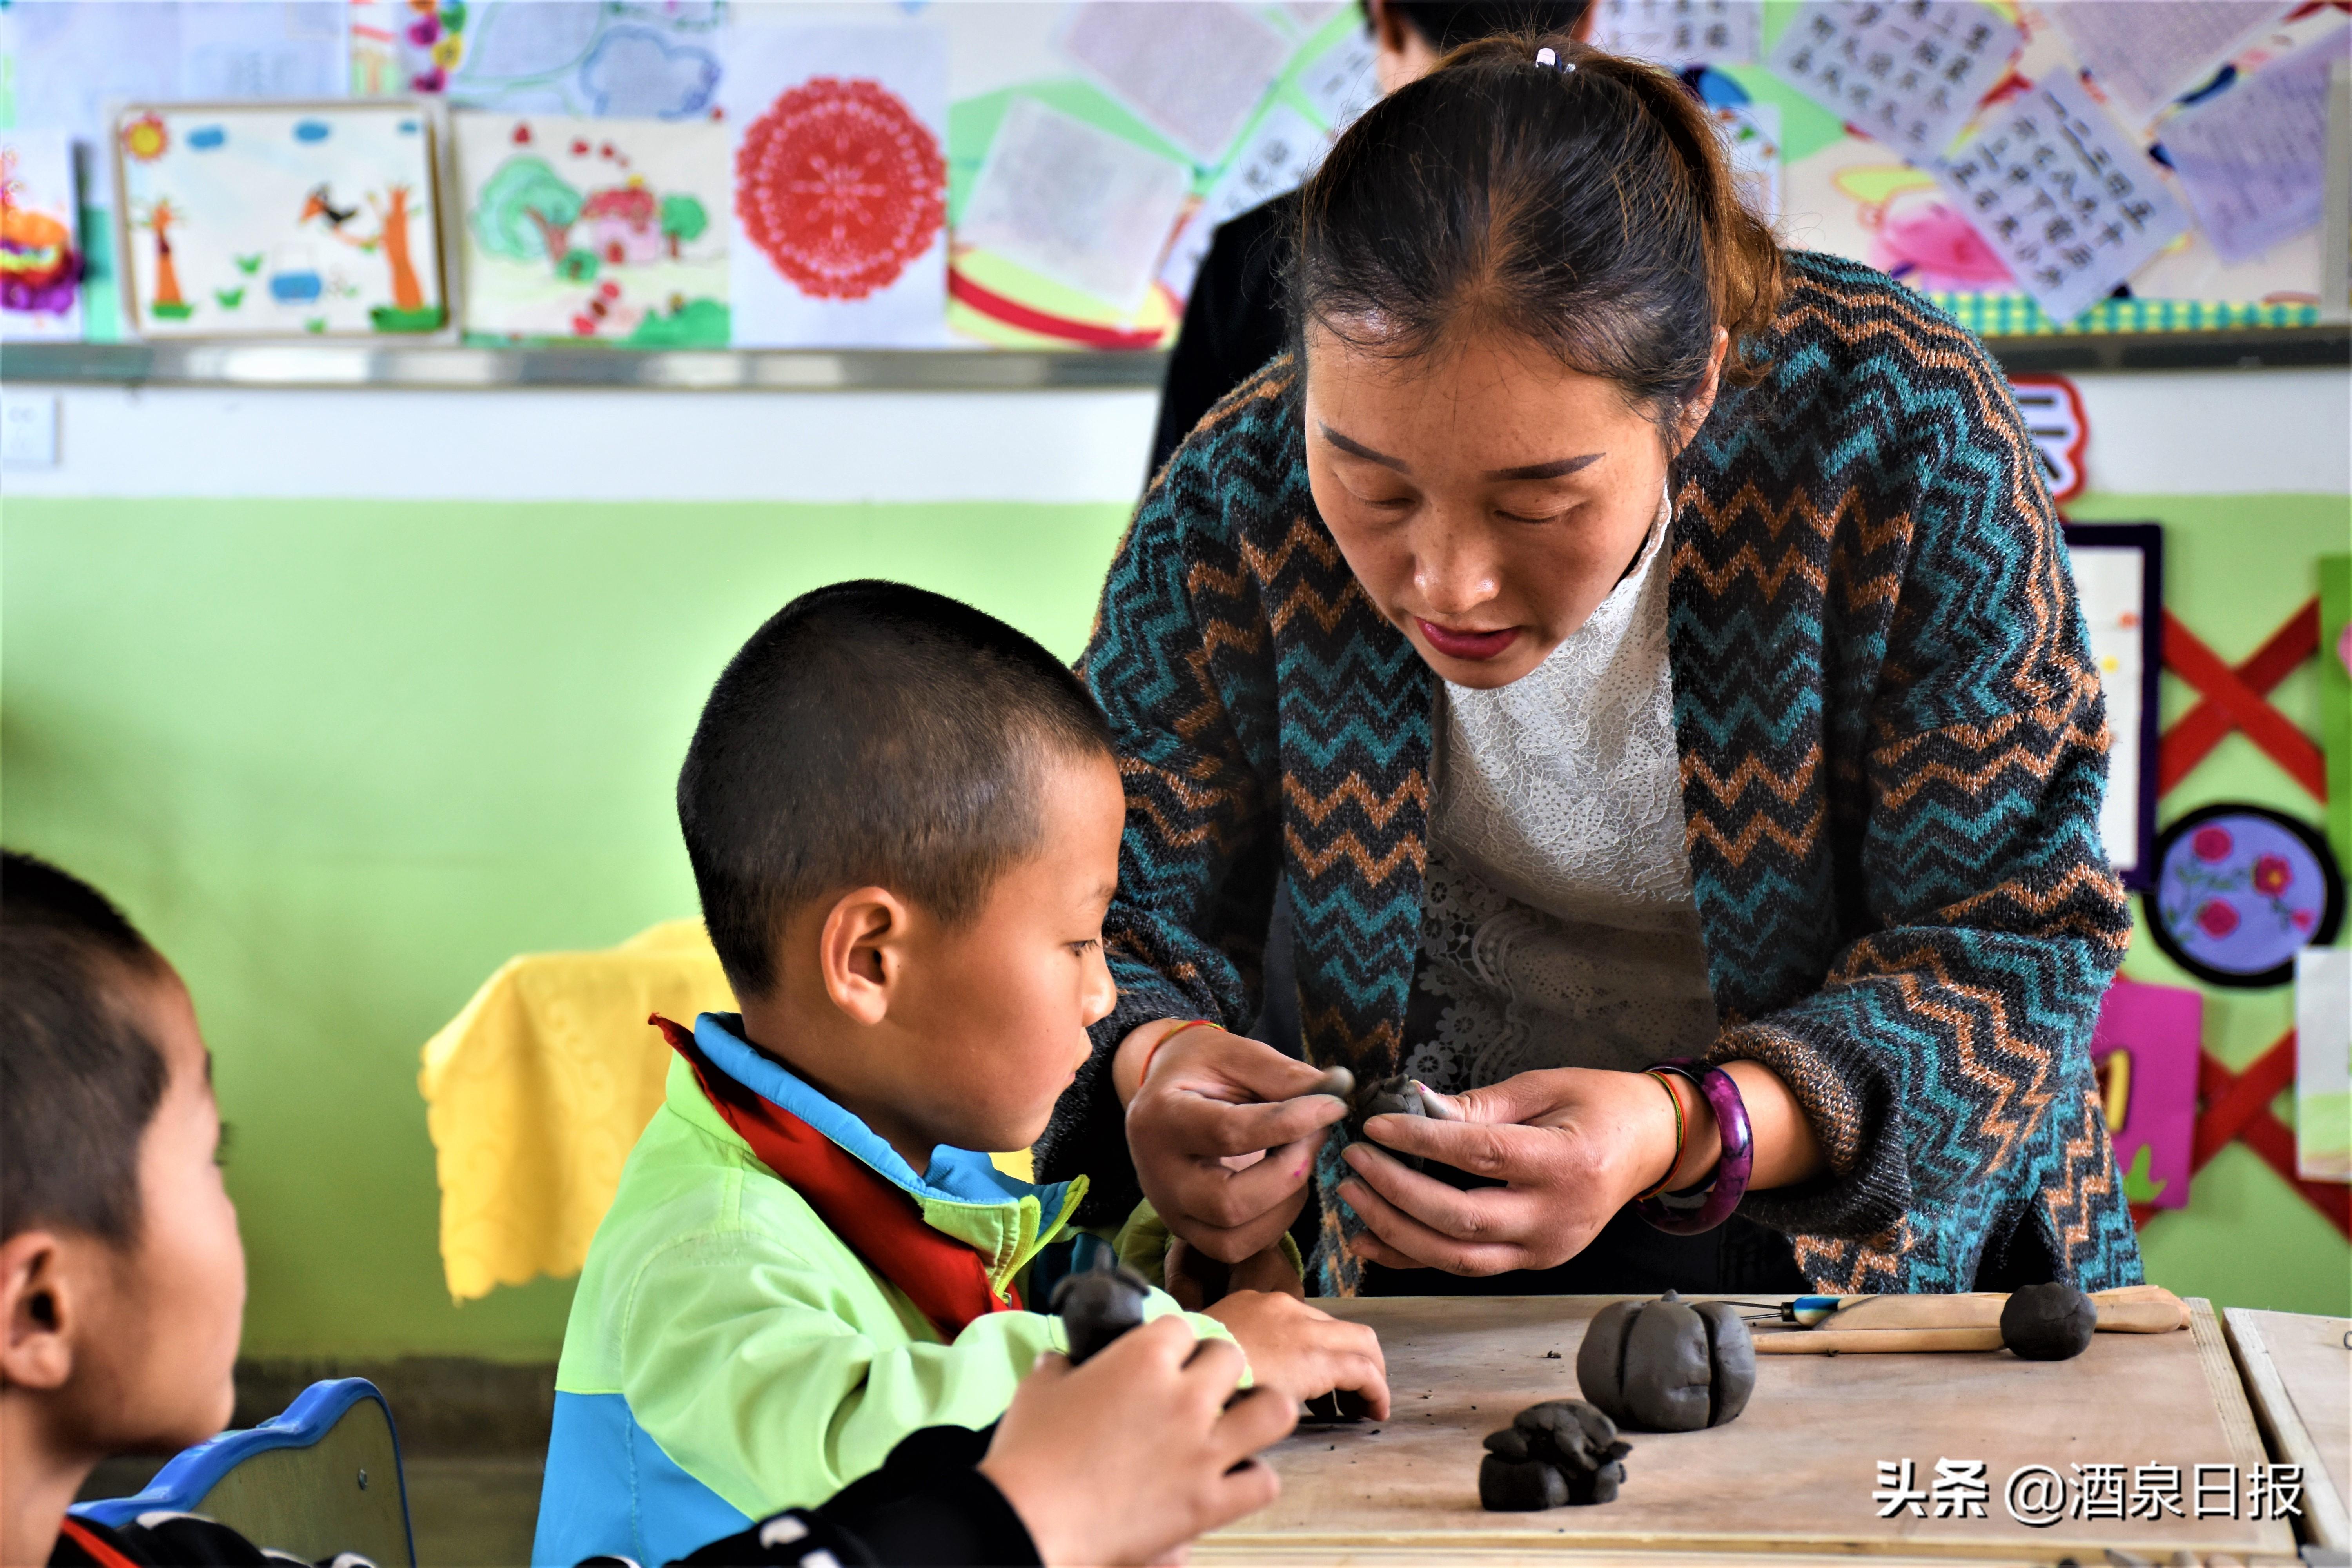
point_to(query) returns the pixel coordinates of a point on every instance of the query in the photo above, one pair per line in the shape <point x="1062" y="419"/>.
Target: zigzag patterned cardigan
<point x="1892" y="748"/>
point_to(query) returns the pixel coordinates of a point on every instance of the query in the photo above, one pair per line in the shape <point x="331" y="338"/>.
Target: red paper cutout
<point x="840" y="186"/>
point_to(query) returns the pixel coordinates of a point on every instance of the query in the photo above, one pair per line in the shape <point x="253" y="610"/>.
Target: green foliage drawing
<point x="690" y="324"/>
<point x="392" y="319"/>
<point x="526" y="213"/>
<point x="230" y="298"/>
<point x="2139" y="1185"/>
<point x="248" y="264"/>
<point x="579" y="267"/>
<point x="683" y="220"/>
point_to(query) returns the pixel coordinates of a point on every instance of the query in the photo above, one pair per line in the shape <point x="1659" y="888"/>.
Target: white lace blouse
<point x="1559" y="927"/>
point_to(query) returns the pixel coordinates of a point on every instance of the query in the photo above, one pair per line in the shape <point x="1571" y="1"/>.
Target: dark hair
<point x="79" y="1080"/>
<point x="1592" y="211"/>
<point x="1448" y="24"/>
<point x="870" y="733"/>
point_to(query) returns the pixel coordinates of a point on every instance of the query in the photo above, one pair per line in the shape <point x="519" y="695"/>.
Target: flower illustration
<point x="2211" y="844"/>
<point x="2218" y="917"/>
<point x="145" y="138"/>
<point x="2305" y="919"/>
<point x="2272" y="874"/>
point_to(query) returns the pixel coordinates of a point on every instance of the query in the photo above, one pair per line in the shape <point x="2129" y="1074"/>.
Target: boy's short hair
<point x="79" y="1080"/>
<point x="870" y="734"/>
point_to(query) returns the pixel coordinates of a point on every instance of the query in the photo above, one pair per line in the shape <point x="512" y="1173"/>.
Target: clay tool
<point x="2039" y="1322"/>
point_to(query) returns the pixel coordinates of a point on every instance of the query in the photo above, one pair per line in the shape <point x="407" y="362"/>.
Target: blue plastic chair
<point x="321" y="1477"/>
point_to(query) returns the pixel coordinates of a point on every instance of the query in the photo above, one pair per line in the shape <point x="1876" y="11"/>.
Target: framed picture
<point x="278" y="220"/>
<point x="2239" y="891"/>
<point x="2119" y="580"/>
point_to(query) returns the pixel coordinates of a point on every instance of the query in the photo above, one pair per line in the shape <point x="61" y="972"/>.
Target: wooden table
<point x="1792" y="1478"/>
<point x="2298" y="1372"/>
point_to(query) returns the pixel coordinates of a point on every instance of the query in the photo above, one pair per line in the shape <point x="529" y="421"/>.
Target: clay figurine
<point x="1561" y="1452"/>
<point x="1668" y="1365"/>
<point x="1096" y="1305"/>
<point x="2047" y="1322"/>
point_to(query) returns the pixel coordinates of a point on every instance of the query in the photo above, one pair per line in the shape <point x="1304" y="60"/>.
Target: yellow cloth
<point x="536" y="1091"/>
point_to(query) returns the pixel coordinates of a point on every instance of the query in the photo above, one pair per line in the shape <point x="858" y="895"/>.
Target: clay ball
<point x="1097" y="1305"/>
<point x="2047" y="1322"/>
<point x="1557" y="1453"/>
<point x="1390" y="1097"/>
<point x="1668" y="1365"/>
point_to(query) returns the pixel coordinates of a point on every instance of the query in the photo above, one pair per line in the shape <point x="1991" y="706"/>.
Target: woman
<point x="1633" y="642"/>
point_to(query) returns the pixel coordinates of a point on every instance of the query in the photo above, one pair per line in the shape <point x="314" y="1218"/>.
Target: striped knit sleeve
<point x="1944" y="1061"/>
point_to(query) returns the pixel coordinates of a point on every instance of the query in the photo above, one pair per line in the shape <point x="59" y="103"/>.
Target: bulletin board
<point x="1047" y="174"/>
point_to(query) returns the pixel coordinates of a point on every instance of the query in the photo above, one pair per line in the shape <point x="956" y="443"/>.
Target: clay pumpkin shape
<point x="1668" y="1365"/>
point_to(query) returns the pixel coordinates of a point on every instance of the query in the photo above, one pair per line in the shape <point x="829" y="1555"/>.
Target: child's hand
<point x="1130" y="1457"/>
<point x="1304" y="1351"/>
<point x="1198" y="1280"/>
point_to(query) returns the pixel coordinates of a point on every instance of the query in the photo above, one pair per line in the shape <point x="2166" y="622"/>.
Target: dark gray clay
<point x="1390" y="1097"/>
<point x="1097" y="1305"/>
<point x="1561" y="1452"/>
<point x="1668" y="1365"/>
<point x="2047" y="1322"/>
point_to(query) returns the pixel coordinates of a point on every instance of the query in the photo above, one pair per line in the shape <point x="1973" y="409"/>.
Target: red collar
<point x="946" y="1279"/>
<point x="101" y="1552"/>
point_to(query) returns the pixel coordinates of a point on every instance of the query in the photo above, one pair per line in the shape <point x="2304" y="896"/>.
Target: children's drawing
<point x="40" y="265"/>
<point x="563" y="57"/>
<point x="248" y="220"/>
<point x="594" y="228"/>
<point x="840" y="188"/>
<point x="2146" y="1046"/>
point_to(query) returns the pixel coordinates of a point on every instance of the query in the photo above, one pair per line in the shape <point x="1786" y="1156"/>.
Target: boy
<point x="123" y="1288"/>
<point x="904" y="821"/>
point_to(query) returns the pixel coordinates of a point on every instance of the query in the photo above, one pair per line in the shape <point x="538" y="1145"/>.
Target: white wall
<point x="2169" y="433"/>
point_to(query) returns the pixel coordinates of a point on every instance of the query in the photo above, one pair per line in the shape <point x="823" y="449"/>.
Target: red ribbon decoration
<point x="2234" y="699"/>
<point x="945" y="1279"/>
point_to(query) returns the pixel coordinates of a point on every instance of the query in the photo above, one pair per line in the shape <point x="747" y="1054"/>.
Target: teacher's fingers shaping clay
<point x="1668" y="1365"/>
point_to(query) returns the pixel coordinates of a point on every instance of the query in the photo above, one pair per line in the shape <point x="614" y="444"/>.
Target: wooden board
<point x="1793" y="1476"/>
<point x="2298" y="1372"/>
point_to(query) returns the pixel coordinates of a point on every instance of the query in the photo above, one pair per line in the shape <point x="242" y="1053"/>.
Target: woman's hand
<point x="1572" y="1146"/>
<point x="1201" y="1108"/>
<point x="1130" y="1457"/>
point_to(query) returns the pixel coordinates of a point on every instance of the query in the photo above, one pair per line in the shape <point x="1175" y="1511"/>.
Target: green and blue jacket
<point x="728" y="1355"/>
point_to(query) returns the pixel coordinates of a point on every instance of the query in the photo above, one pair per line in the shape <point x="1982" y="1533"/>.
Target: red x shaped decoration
<point x="2237" y="1105"/>
<point x="2235" y="699"/>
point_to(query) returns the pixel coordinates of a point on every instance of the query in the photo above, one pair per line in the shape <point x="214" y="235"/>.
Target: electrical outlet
<point x="28" y="430"/>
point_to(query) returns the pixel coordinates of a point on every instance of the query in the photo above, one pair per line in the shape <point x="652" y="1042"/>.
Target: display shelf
<point x="438" y="367"/>
<point x="452" y="368"/>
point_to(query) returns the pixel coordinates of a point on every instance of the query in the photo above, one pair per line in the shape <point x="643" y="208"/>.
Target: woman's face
<point x="1487" y="498"/>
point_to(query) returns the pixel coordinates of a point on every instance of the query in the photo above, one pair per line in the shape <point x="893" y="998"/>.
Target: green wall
<point x="342" y="759"/>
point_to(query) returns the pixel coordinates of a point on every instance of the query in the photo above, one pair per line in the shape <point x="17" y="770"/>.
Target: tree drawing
<point x="158" y="220"/>
<point x="392" y="230"/>
<point x="526" y="213"/>
<point x="682" y="220"/>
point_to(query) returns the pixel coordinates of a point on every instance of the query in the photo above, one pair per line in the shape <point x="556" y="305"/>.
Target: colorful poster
<point x="2323" y="1064"/>
<point x="1909" y="74"/>
<point x="607" y="229"/>
<point x="1681" y="32"/>
<point x="2253" y="157"/>
<point x="2146" y="1046"/>
<point x="2144" y="53"/>
<point x="40" y="253"/>
<point x="242" y="220"/>
<point x="2065" y="197"/>
<point x="839" y="204"/>
<point x="654" y="59"/>
<point x="1194" y="71"/>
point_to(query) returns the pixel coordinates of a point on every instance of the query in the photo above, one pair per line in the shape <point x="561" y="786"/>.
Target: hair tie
<point x="1549" y="60"/>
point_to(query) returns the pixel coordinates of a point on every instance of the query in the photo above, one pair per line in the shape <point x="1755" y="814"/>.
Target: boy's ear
<point x="42" y="1311"/>
<point x="862" y="951"/>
